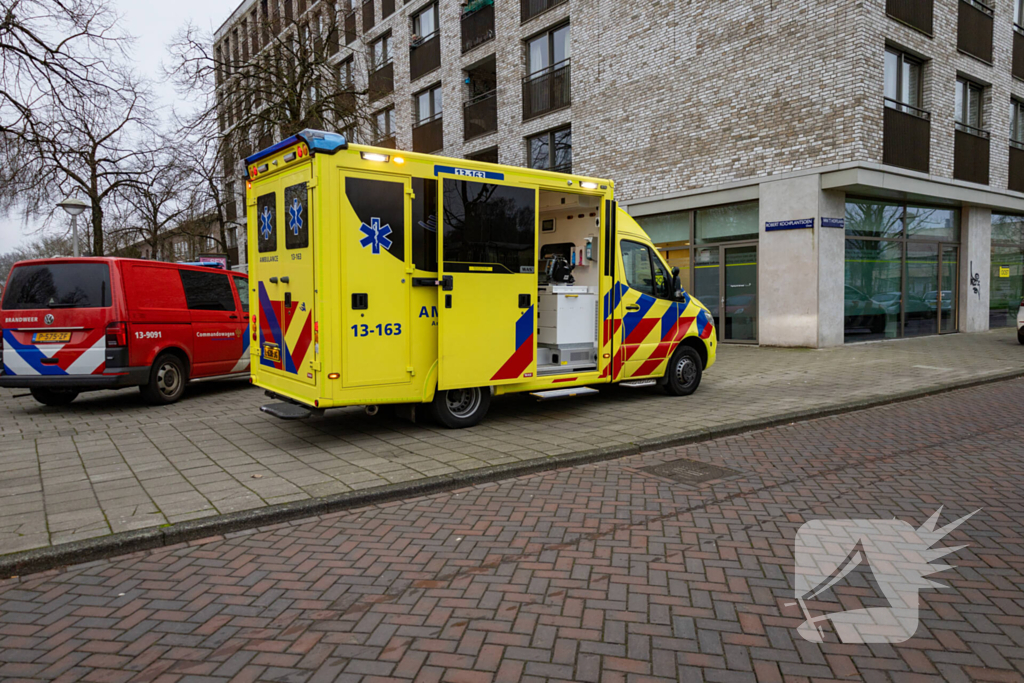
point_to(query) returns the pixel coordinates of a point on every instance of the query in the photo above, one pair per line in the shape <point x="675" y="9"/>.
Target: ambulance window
<point x="489" y="224"/>
<point x="242" y="287"/>
<point x="296" y="213"/>
<point x="266" y="222"/>
<point x="207" y="291"/>
<point x="424" y="224"/>
<point x="636" y="260"/>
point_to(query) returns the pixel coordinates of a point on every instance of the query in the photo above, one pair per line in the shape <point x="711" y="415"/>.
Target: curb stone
<point x="106" y="547"/>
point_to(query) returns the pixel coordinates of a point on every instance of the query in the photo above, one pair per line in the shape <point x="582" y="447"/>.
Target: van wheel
<point x="54" y="397"/>
<point x="167" y="381"/>
<point x="684" y="371"/>
<point x="460" y="408"/>
<point x="1020" y="335"/>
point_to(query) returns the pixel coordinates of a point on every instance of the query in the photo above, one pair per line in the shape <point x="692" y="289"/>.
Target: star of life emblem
<point x="266" y="222"/>
<point x="376" y="235"/>
<point x="295" y="217"/>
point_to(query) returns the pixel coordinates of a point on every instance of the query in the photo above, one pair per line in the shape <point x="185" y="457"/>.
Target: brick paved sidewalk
<point x="108" y="464"/>
<point x="597" y="573"/>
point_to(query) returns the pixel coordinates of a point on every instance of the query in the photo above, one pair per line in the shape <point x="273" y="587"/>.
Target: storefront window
<point x="873" y="297"/>
<point x="670" y="233"/>
<point x="866" y="218"/>
<point x="928" y="223"/>
<point x="727" y="223"/>
<point x="1006" y="281"/>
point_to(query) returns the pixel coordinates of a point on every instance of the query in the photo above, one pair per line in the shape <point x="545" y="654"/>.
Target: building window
<point x="424" y="23"/>
<point x="548" y="50"/>
<point x="551" y="151"/>
<point x="380" y="52"/>
<point x="1017" y="121"/>
<point x="968" y="105"/>
<point x="428" y="105"/>
<point x="345" y="74"/>
<point x="1006" y="283"/>
<point x="382" y="124"/>
<point x="902" y="81"/>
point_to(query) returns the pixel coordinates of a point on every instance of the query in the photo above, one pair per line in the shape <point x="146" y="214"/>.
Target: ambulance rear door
<point x="284" y="282"/>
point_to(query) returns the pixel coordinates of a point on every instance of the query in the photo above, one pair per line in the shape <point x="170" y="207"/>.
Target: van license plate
<point x="50" y="337"/>
<point x="272" y="353"/>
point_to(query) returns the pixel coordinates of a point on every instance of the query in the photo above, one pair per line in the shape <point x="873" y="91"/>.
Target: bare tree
<point x="155" y="199"/>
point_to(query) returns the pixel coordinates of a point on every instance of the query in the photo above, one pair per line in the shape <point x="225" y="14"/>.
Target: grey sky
<point x="154" y="25"/>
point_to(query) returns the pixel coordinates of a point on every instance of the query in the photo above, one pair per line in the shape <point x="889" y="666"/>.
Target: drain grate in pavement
<point x="689" y="472"/>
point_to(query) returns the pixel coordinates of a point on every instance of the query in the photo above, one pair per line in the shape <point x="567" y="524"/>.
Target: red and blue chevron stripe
<point x="522" y="357"/>
<point x="85" y="358"/>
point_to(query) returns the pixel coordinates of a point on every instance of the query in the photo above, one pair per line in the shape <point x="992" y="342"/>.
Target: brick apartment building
<point x="823" y="171"/>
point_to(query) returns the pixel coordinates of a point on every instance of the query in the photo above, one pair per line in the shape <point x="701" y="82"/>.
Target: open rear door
<point x="487" y="250"/>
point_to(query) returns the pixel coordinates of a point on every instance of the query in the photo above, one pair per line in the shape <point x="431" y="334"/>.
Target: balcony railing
<point x="387" y="8"/>
<point x="907" y="136"/>
<point x="914" y="13"/>
<point x="971" y="154"/>
<point x="382" y="81"/>
<point x="531" y="8"/>
<point x="350" y="28"/>
<point x="345" y="102"/>
<point x="974" y="30"/>
<point x="1016" y="166"/>
<point x="1018" y="52"/>
<point x="477" y="27"/>
<point x="428" y="136"/>
<point x="480" y="115"/>
<point x="367" y="15"/>
<point x="547" y="90"/>
<point x="425" y="55"/>
<point x="388" y="142"/>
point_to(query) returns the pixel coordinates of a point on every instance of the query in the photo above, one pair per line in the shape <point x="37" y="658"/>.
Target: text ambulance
<point x="385" y="277"/>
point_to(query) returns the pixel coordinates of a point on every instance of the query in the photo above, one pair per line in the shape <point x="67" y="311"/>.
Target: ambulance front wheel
<point x="682" y="377"/>
<point x="460" y="408"/>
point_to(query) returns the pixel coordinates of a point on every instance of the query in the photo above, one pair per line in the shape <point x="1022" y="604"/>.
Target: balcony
<point x="531" y="8"/>
<point x="388" y="142"/>
<point x="382" y="81"/>
<point x="1016" y="166"/>
<point x="350" y="28"/>
<point x="425" y="56"/>
<point x="907" y="136"/>
<point x="971" y="154"/>
<point x="428" y="136"/>
<point x="480" y="115"/>
<point x="387" y="8"/>
<point x="974" y="30"/>
<point x="345" y="102"/>
<point x="367" y="15"/>
<point x="547" y="90"/>
<point x="1018" y="52"/>
<point x="477" y="27"/>
<point x="916" y="14"/>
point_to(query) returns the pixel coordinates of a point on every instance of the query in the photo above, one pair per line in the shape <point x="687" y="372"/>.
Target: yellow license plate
<point x="49" y="337"/>
<point x="272" y="353"/>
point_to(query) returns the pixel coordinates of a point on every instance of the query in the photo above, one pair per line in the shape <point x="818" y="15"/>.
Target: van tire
<point x="53" y="397"/>
<point x="1020" y="335"/>
<point x="461" y="408"/>
<point x="684" y="372"/>
<point x="167" y="379"/>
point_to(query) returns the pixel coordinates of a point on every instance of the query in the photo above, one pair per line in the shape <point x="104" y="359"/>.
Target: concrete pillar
<point x="975" y="268"/>
<point x="800" y="271"/>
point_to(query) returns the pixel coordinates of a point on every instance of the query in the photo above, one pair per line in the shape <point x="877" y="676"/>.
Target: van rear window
<point x="58" y="285"/>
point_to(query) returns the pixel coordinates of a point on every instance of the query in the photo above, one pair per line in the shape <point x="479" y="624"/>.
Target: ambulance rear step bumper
<point x="286" y="411"/>
<point x="563" y="393"/>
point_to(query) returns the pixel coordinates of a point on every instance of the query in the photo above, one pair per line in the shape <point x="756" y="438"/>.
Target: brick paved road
<point x="601" y="572"/>
<point x="108" y="464"/>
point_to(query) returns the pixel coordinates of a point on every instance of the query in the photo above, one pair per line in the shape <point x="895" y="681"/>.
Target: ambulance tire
<point x="461" y="408"/>
<point x="53" y="397"/>
<point x="167" y="379"/>
<point x="1020" y="335"/>
<point x="684" y="371"/>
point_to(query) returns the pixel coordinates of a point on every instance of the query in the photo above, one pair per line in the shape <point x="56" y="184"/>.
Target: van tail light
<point x="117" y="335"/>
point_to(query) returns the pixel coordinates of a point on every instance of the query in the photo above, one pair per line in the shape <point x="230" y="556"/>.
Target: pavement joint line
<point x="127" y="542"/>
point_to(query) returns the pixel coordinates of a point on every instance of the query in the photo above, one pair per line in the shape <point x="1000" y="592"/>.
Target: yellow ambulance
<point x="387" y="277"/>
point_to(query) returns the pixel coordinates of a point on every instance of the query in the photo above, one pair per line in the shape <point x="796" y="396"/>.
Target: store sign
<point x="833" y="223"/>
<point x="789" y="225"/>
<point x="1004" y="271"/>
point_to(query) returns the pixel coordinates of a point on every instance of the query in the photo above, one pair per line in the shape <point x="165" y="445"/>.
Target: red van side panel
<point x="158" y="316"/>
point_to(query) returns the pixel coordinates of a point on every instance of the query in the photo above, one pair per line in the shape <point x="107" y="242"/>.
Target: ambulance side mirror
<point x="676" y="284"/>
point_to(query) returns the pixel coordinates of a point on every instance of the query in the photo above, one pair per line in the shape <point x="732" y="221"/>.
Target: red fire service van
<point x="81" y="324"/>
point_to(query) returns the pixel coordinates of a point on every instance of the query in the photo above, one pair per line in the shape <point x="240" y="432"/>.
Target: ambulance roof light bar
<point x="317" y="141"/>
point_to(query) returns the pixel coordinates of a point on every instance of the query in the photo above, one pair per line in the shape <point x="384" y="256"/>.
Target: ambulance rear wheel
<point x="682" y="377"/>
<point x="460" y="408"/>
<point x="167" y="380"/>
<point x="53" y="397"/>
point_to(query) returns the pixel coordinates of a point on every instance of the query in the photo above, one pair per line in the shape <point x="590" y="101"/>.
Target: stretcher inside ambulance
<point x="387" y="277"/>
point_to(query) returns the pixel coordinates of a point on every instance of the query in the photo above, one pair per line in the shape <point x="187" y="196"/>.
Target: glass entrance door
<point x="707" y="280"/>
<point x="949" y="273"/>
<point x="740" y="293"/>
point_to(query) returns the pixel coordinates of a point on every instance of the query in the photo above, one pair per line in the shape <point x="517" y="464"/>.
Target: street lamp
<point x="74" y="206"/>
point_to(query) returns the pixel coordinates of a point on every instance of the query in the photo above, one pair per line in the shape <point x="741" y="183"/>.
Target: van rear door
<point x="55" y="317"/>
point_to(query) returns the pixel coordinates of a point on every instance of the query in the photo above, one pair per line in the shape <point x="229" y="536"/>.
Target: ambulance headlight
<point x="588" y="186"/>
<point x="373" y="156"/>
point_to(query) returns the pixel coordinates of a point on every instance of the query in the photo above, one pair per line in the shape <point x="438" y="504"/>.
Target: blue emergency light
<point x="317" y="141"/>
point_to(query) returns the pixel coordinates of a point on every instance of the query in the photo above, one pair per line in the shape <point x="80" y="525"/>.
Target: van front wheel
<point x="167" y="380"/>
<point x="682" y="376"/>
<point x="460" y="408"/>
